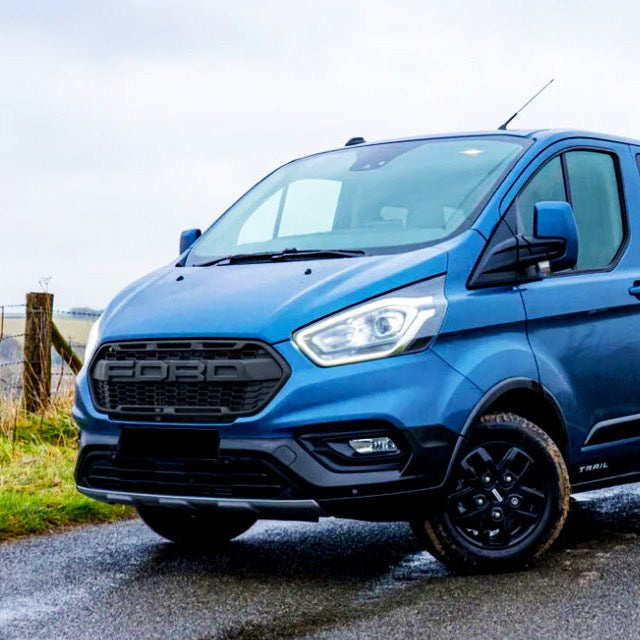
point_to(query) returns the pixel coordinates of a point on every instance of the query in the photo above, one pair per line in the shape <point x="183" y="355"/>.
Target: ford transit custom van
<point x="441" y="330"/>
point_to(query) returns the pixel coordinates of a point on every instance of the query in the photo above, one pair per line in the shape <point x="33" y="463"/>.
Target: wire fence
<point x="73" y="324"/>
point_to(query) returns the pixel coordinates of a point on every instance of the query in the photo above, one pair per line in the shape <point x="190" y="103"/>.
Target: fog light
<point x="373" y="445"/>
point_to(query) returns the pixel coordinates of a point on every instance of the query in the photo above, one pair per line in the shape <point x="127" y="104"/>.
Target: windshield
<point x="377" y="198"/>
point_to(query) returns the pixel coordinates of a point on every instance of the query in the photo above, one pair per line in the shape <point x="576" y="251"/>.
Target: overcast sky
<point x="123" y="122"/>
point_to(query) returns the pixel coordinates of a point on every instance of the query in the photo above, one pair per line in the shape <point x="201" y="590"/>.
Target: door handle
<point x="635" y="289"/>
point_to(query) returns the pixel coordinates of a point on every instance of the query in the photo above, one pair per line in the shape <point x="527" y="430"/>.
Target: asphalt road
<point x="336" y="579"/>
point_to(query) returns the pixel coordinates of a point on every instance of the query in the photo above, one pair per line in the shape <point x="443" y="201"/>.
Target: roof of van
<point x="547" y="135"/>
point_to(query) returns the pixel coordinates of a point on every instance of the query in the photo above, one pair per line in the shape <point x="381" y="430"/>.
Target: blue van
<point x="438" y="330"/>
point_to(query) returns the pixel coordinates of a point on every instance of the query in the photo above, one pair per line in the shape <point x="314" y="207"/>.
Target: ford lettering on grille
<point x="185" y="380"/>
<point x="185" y="371"/>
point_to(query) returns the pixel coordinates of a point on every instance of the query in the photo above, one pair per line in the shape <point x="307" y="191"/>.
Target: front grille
<point x="186" y="380"/>
<point x="227" y="477"/>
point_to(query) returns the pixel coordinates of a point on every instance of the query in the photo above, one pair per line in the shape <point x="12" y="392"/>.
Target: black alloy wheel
<point x="507" y="501"/>
<point x="499" y="497"/>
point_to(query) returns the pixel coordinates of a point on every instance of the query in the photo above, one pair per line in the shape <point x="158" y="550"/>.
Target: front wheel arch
<point x="528" y="399"/>
<point x="463" y="534"/>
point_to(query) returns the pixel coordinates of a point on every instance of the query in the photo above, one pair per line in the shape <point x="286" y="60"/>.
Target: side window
<point x="595" y="197"/>
<point x="594" y="194"/>
<point x="546" y="184"/>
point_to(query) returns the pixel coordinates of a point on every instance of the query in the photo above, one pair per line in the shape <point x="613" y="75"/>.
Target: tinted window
<point x="595" y="198"/>
<point x="546" y="184"/>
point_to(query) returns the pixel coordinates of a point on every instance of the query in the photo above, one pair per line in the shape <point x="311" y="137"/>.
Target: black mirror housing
<point x="516" y="258"/>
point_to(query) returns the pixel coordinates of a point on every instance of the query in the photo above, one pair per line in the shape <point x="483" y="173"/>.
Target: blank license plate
<point x="172" y="444"/>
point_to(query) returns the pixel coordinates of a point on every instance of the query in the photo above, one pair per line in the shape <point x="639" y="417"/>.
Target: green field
<point x="75" y="330"/>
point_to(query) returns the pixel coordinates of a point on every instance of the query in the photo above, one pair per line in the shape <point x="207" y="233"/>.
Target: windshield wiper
<point x="281" y="256"/>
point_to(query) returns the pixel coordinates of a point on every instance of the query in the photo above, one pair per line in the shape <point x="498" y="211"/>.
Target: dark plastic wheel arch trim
<point x="505" y="386"/>
<point x="489" y="398"/>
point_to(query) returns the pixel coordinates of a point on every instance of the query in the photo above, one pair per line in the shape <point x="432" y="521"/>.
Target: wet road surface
<point x="335" y="579"/>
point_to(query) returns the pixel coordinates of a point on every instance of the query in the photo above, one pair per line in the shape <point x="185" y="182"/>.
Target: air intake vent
<point x="228" y="477"/>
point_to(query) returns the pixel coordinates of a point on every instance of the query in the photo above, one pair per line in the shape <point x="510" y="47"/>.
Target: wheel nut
<point x="508" y="479"/>
<point x="496" y="514"/>
<point x="514" y="501"/>
<point x="486" y="479"/>
<point x="479" y="501"/>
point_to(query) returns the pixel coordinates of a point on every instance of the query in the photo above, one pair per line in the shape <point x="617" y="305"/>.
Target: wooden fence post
<point x="65" y="350"/>
<point x="37" y="351"/>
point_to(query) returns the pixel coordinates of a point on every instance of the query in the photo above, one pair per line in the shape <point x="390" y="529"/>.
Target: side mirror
<point x="555" y="221"/>
<point x="187" y="238"/>
<point x="517" y="258"/>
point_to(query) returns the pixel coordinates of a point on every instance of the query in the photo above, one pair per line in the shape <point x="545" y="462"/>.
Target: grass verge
<point x="37" y="458"/>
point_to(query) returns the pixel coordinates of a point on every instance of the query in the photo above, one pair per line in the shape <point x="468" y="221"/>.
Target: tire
<point x="419" y="528"/>
<point x="507" y="502"/>
<point x="202" y="529"/>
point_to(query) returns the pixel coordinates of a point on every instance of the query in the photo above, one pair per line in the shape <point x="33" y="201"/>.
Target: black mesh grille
<point x="227" y="477"/>
<point x="185" y="381"/>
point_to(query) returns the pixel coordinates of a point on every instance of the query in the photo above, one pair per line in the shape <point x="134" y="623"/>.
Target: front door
<point x="584" y="324"/>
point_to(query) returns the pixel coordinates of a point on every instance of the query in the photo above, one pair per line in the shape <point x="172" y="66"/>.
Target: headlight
<point x="383" y="327"/>
<point x="92" y="341"/>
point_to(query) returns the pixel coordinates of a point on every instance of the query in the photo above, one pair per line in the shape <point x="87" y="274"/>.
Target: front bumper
<point x="417" y="396"/>
<point x="273" y="478"/>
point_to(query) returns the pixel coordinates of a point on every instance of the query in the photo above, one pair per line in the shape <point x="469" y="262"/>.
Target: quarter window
<point x="546" y="184"/>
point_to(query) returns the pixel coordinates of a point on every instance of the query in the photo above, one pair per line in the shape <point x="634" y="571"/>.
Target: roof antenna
<point x="503" y="127"/>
